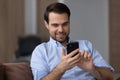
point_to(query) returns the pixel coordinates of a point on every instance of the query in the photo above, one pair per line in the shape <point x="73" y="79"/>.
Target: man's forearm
<point x="102" y="73"/>
<point x="54" y="75"/>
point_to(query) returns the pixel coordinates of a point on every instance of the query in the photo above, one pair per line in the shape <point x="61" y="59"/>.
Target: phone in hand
<point x="72" y="46"/>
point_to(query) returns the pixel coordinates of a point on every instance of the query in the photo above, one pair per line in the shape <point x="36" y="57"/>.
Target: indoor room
<point x="22" y="28"/>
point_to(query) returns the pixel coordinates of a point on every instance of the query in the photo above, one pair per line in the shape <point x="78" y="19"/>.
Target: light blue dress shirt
<point x="47" y="55"/>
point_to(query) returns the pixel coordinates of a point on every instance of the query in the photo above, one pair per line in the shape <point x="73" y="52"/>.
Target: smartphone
<point x="72" y="46"/>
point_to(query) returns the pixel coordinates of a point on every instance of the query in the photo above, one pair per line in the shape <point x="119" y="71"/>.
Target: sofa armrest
<point x="1" y="72"/>
<point x="18" y="71"/>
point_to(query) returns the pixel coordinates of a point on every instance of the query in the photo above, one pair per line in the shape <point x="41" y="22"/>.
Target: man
<point x="51" y="62"/>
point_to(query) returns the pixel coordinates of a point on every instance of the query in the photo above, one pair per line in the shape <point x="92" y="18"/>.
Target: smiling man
<point x="51" y="62"/>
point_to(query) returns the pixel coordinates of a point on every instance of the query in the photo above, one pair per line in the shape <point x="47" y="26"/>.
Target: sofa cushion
<point x="1" y="71"/>
<point x="18" y="71"/>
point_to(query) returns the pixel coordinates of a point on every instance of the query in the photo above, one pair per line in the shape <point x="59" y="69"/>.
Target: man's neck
<point x="64" y="43"/>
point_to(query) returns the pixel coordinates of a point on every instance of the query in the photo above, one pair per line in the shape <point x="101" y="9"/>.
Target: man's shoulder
<point x="82" y="41"/>
<point x="42" y="44"/>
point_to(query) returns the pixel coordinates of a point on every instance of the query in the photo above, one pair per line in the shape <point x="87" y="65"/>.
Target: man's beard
<point x="65" y="40"/>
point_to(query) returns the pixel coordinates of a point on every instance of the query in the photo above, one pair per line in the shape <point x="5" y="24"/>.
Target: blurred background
<point x="21" y="21"/>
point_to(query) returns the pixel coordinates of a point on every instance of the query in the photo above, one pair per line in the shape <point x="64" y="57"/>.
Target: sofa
<point x="15" y="71"/>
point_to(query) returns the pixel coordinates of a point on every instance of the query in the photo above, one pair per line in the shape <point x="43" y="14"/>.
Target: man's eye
<point x="55" y="25"/>
<point x="65" y="24"/>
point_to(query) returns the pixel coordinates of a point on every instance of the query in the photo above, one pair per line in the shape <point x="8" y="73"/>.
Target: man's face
<point x="58" y="26"/>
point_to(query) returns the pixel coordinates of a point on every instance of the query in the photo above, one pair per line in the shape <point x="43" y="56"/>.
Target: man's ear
<point x="46" y="24"/>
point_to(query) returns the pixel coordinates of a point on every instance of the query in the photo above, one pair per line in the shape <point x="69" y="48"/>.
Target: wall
<point x="114" y="31"/>
<point x="30" y="17"/>
<point x="89" y="20"/>
<point x="11" y="27"/>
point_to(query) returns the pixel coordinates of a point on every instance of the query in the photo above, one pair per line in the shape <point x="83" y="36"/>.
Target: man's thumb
<point x="63" y="52"/>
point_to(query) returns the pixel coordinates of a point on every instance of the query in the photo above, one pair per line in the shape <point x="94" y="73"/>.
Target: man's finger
<point x="74" y="52"/>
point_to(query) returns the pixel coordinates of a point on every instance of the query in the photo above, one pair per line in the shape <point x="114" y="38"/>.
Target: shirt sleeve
<point x="38" y="63"/>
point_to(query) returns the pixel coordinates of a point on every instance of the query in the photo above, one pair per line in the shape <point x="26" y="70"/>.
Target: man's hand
<point x="68" y="61"/>
<point x="85" y="62"/>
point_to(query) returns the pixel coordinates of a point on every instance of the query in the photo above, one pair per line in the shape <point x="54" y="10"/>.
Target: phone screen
<point x="72" y="46"/>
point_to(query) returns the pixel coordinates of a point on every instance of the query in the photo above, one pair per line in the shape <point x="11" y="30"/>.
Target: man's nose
<point x="61" y="28"/>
